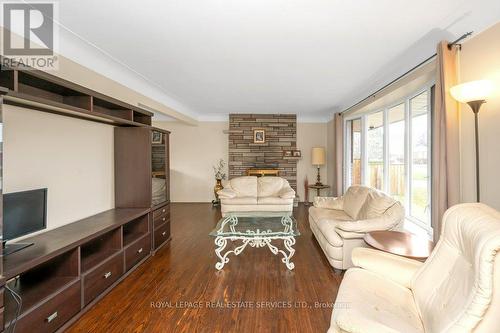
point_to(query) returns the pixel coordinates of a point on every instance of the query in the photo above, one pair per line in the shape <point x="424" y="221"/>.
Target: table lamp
<point x="474" y="93"/>
<point x="318" y="159"/>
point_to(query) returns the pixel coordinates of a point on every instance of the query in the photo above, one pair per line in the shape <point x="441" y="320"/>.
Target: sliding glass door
<point x="389" y="149"/>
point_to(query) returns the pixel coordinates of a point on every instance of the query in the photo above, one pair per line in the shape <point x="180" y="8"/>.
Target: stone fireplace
<point x="280" y="135"/>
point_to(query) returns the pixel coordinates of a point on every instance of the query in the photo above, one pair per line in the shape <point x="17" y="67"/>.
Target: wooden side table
<point x="400" y="243"/>
<point x="319" y="187"/>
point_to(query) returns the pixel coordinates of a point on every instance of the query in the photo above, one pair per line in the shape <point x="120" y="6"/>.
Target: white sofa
<point x="253" y="194"/>
<point x="339" y="224"/>
<point x="456" y="290"/>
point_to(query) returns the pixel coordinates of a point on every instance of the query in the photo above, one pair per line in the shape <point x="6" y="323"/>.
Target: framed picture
<point x="287" y="153"/>
<point x="156" y="137"/>
<point x="259" y="136"/>
<point x="297" y="153"/>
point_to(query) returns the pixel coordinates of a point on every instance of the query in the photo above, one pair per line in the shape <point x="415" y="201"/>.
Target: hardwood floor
<point x="179" y="289"/>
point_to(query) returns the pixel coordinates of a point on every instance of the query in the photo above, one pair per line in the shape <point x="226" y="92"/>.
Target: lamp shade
<point x="472" y="91"/>
<point x="318" y="156"/>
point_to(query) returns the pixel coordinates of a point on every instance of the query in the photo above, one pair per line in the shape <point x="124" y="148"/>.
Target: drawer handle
<point x="52" y="317"/>
<point x="163" y="219"/>
<point x="163" y="211"/>
<point x="140" y="250"/>
<point x="107" y="275"/>
<point x="164" y="233"/>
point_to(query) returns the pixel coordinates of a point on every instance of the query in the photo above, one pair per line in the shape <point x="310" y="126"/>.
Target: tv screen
<point x="24" y="213"/>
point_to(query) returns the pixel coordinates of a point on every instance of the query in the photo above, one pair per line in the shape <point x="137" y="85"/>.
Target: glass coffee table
<point x="257" y="229"/>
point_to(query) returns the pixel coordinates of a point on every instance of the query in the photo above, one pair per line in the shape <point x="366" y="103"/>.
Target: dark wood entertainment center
<point x="68" y="269"/>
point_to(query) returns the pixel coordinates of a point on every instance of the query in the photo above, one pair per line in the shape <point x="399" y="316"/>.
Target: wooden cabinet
<point x="68" y="268"/>
<point x="101" y="277"/>
<point x="52" y="314"/>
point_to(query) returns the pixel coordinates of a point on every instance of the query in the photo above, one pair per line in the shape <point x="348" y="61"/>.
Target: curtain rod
<point x="454" y="43"/>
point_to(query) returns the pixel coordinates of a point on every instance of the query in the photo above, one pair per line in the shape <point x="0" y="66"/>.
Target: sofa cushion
<point x="244" y="186"/>
<point x="269" y="186"/>
<point x="273" y="201"/>
<point x="328" y="214"/>
<point x="376" y="204"/>
<point x="326" y="220"/>
<point x="354" y="199"/>
<point x="239" y="201"/>
<point x="366" y="302"/>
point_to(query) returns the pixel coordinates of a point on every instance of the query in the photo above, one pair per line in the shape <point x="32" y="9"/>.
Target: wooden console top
<point x="49" y="244"/>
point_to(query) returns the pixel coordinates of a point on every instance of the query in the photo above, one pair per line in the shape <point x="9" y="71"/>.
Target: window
<point x="419" y="174"/>
<point x="396" y="118"/>
<point x="389" y="150"/>
<point x="375" y="150"/>
<point x="354" y="151"/>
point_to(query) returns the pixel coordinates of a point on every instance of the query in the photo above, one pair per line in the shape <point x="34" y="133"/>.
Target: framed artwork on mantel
<point x="259" y="135"/>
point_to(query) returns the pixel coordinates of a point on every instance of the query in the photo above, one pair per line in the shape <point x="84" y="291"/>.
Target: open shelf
<point x="104" y="107"/>
<point x="7" y="78"/>
<point x="45" y="280"/>
<point x="98" y="250"/>
<point x="32" y="85"/>
<point x="142" y="118"/>
<point x="135" y="230"/>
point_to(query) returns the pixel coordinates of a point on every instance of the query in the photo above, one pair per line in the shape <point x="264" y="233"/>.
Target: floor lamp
<point x="474" y="93"/>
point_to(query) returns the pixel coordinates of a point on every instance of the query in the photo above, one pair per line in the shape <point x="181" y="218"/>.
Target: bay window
<point x="389" y="149"/>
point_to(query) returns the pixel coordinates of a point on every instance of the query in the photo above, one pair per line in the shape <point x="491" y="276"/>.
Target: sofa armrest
<point x="390" y="220"/>
<point x="287" y="192"/>
<point x="396" y="268"/>
<point x="350" y="234"/>
<point x="329" y="202"/>
<point x="226" y="193"/>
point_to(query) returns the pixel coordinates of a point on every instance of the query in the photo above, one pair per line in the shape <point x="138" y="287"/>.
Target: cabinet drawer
<point x="165" y="210"/>
<point x="160" y="219"/>
<point x="98" y="280"/>
<point x="137" y="251"/>
<point x="161" y="235"/>
<point x="52" y="314"/>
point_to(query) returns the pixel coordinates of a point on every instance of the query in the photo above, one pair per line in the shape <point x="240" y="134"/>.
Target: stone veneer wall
<point x="281" y="134"/>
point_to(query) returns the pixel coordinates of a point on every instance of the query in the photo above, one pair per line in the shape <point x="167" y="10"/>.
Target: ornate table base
<point x="221" y="242"/>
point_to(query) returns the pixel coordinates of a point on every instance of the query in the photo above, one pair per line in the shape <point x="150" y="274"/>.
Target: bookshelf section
<point x="45" y="92"/>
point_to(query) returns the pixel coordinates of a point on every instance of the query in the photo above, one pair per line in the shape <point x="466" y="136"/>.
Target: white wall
<point x="311" y="135"/>
<point x="194" y="149"/>
<point x="193" y="152"/>
<point x="480" y="59"/>
<point x="73" y="158"/>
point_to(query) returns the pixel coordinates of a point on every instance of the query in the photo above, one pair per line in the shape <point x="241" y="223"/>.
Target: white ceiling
<point x="208" y="58"/>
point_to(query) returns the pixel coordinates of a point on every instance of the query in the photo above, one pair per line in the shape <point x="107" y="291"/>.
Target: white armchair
<point x="340" y="224"/>
<point x="250" y="193"/>
<point x="456" y="290"/>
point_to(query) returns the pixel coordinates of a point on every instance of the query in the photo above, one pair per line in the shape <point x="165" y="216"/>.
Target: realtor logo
<point x="29" y="35"/>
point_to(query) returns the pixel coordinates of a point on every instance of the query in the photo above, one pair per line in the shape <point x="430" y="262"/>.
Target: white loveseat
<point x="457" y="289"/>
<point x="339" y="224"/>
<point x="253" y="194"/>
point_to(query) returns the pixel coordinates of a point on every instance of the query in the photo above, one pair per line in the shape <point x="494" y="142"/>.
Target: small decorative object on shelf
<point x="287" y="153"/>
<point x="156" y="138"/>
<point x="219" y="176"/>
<point x="297" y="153"/>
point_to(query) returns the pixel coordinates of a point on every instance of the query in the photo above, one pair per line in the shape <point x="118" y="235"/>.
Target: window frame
<point x="407" y="147"/>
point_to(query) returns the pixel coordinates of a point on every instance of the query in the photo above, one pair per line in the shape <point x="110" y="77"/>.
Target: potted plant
<point x="219" y="173"/>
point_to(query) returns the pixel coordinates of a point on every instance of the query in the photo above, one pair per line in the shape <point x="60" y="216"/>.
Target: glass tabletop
<point x="257" y="224"/>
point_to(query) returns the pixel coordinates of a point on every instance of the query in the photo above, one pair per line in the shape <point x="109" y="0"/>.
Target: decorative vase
<point x="218" y="186"/>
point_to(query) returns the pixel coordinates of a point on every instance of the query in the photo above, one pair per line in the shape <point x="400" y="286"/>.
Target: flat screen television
<point x="23" y="213"/>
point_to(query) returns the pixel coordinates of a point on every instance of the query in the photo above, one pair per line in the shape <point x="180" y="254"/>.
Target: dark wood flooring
<point x="179" y="289"/>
